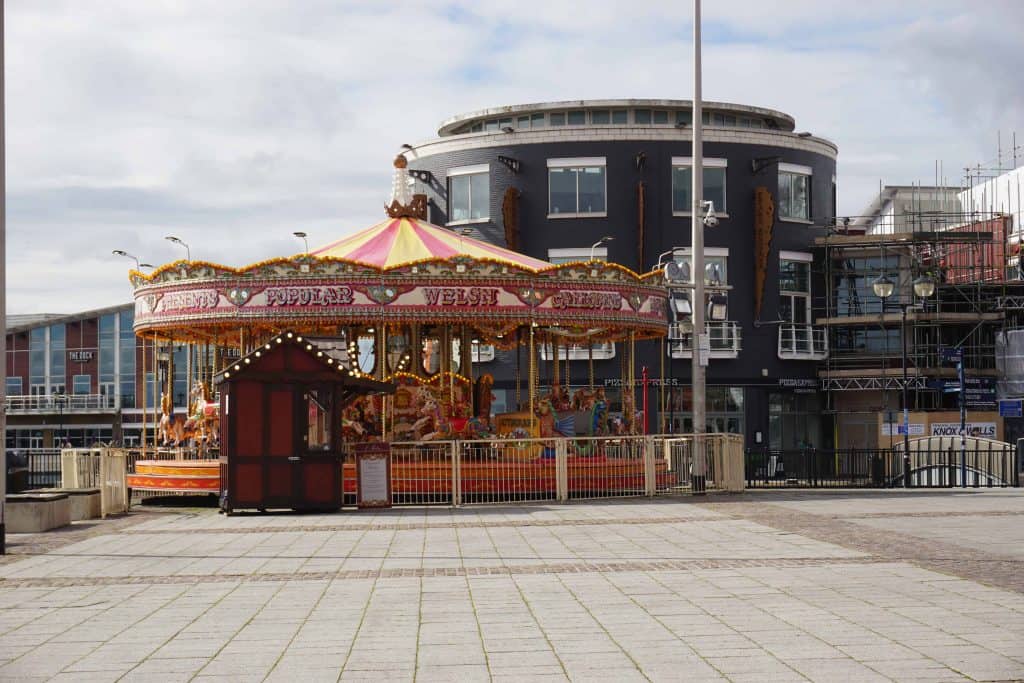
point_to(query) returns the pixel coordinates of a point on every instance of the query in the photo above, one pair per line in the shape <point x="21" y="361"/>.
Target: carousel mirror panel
<point x="367" y="349"/>
<point x="398" y="349"/>
<point x="431" y="355"/>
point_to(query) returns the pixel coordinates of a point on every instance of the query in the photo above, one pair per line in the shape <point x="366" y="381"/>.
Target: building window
<point x="558" y="256"/>
<point x="794" y="192"/>
<point x="469" y="195"/>
<point x="620" y="117"/>
<point x="659" y="118"/>
<point x="576" y="187"/>
<point x="58" y="357"/>
<point x="795" y="300"/>
<point x="81" y="384"/>
<point x="577" y="117"/>
<point x="682" y="184"/>
<point x="600" y="117"/>
<point x="126" y="359"/>
<point x="557" y="118"/>
<point x="723" y="410"/>
<point x="642" y="117"/>
<point x="684" y="117"/>
<point x="14" y="386"/>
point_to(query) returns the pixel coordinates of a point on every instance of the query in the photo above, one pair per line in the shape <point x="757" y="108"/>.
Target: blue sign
<point x="1013" y="407"/>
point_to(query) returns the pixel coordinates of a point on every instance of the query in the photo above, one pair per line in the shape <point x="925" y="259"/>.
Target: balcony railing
<point x="724" y="336"/>
<point x="803" y="342"/>
<point x="56" y="403"/>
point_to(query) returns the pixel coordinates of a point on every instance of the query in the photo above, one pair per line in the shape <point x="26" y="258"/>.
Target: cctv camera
<point x="710" y="219"/>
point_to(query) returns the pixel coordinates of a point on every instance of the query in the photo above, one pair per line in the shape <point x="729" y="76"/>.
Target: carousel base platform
<point x="176" y="476"/>
<point x="585" y="475"/>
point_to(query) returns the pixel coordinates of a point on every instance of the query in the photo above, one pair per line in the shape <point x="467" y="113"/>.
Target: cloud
<point x="233" y="124"/>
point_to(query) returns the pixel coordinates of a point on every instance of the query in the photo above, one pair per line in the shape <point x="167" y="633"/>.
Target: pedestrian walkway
<point x="772" y="586"/>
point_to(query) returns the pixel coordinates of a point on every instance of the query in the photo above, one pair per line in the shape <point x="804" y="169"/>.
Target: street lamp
<point x="177" y="240"/>
<point x="301" y="235"/>
<point x="600" y="243"/>
<point x="138" y="266"/>
<point x="924" y="287"/>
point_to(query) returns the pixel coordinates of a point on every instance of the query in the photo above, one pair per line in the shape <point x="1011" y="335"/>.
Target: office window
<point x="600" y="117"/>
<point x="577" y="117"/>
<point x="682" y="184"/>
<point x="659" y="118"/>
<point x="795" y="288"/>
<point x="642" y="116"/>
<point x="557" y="118"/>
<point x="469" y="195"/>
<point x="794" y="192"/>
<point x="536" y="120"/>
<point x="684" y="117"/>
<point x="37" y="358"/>
<point x="576" y="187"/>
<point x="620" y="117"/>
<point x="81" y="384"/>
<point x="14" y="386"/>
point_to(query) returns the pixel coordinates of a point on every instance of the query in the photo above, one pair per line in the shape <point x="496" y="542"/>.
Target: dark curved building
<point x="553" y="179"/>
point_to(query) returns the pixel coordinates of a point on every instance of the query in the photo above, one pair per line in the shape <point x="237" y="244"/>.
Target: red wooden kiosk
<point x="280" y="411"/>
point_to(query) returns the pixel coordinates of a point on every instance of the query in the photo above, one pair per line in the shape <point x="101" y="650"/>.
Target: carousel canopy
<point x="400" y="241"/>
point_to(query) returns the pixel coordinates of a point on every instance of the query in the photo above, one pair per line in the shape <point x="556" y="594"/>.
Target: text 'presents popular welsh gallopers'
<point x="412" y="304"/>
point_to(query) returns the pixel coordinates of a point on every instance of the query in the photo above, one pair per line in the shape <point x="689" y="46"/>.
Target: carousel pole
<point x="145" y="436"/>
<point x="156" y="383"/>
<point x="519" y="375"/>
<point x="532" y="380"/>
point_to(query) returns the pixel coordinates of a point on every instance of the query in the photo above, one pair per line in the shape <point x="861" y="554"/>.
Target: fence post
<point x="455" y="452"/>
<point x="650" y="471"/>
<point x="561" y="470"/>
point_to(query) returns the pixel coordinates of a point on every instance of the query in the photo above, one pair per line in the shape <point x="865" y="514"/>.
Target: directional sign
<point x="1013" y="407"/>
<point x="951" y="354"/>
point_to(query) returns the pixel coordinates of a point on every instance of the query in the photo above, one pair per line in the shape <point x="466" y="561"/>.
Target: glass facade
<point x="37" y="361"/>
<point x="851" y="283"/>
<point x="107" y="349"/>
<point x="127" y="359"/>
<point x="724" y="411"/>
<point x="181" y="377"/>
<point x="58" y="359"/>
<point x="794" y="421"/>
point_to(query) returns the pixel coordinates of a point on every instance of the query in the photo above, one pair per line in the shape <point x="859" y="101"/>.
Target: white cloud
<point x="232" y="124"/>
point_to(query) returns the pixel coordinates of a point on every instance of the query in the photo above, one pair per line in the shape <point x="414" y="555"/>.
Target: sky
<point x="232" y="124"/>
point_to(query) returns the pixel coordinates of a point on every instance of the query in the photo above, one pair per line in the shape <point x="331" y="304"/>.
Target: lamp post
<point x="697" y="272"/>
<point x="301" y="235"/>
<point x="178" y="240"/>
<point x="138" y="266"/>
<point x="600" y="243"/>
<point x="924" y="287"/>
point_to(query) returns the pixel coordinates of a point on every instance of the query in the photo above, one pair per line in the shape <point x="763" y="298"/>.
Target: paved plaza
<point x="765" y="586"/>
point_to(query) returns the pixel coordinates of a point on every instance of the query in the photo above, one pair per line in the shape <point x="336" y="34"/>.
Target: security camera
<point x="710" y="219"/>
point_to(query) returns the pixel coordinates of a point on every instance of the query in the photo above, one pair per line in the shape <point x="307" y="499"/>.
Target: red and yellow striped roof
<point x="399" y="241"/>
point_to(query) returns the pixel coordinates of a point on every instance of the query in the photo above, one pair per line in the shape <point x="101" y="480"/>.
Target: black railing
<point x="881" y="468"/>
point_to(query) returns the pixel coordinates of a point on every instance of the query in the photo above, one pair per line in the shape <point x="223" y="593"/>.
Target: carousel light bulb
<point x="257" y="354"/>
<point x="370" y="330"/>
<point x="238" y="367"/>
<point x="248" y="360"/>
<point x="290" y="335"/>
<point x="330" y="361"/>
<point x="278" y="340"/>
<point x="309" y="347"/>
<point x="298" y="339"/>
<point x="267" y="347"/>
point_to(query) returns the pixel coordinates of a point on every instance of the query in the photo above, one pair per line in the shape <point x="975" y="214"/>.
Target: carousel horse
<point x="166" y="425"/>
<point x="205" y="416"/>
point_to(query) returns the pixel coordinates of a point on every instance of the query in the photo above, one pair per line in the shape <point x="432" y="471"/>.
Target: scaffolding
<point x="964" y="255"/>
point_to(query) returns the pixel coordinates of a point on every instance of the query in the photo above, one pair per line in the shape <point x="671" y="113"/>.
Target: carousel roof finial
<point x="403" y="203"/>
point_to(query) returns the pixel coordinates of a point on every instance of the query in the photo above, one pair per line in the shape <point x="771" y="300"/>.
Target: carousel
<point x="416" y="306"/>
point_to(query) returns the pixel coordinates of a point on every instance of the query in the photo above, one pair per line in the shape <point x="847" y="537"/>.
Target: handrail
<point x="59" y="403"/>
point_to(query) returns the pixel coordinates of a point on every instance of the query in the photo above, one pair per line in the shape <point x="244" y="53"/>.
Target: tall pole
<point x="3" y="299"/>
<point x="906" y="401"/>
<point x="697" y="258"/>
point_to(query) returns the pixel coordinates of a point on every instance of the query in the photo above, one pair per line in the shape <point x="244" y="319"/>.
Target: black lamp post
<point x="924" y="287"/>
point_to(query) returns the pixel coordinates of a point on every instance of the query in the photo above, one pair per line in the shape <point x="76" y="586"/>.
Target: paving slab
<point x="773" y="586"/>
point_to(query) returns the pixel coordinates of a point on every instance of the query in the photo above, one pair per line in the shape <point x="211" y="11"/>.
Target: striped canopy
<point x="398" y="241"/>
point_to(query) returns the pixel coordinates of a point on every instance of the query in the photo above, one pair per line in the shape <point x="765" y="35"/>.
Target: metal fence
<point x="882" y="468"/>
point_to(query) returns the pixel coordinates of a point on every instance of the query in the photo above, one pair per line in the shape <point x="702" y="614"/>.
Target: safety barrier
<point x="103" y="468"/>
